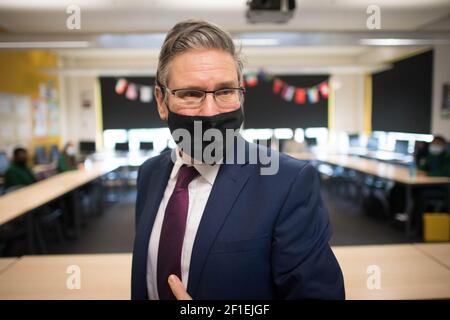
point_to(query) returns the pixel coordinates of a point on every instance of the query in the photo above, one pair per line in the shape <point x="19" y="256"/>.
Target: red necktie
<point x="172" y="232"/>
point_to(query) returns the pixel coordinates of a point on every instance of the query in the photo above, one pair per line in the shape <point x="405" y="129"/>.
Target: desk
<point x="34" y="196"/>
<point x="5" y="263"/>
<point x="406" y="273"/>
<point x="438" y="251"/>
<point x="388" y="171"/>
<point x="103" y="276"/>
<point x="383" y="170"/>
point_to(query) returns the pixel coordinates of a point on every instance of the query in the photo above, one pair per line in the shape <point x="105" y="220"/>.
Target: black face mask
<point x="21" y="163"/>
<point x="213" y="146"/>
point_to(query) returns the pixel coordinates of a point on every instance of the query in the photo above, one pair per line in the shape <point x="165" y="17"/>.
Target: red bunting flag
<point x="324" y="89"/>
<point x="300" y="96"/>
<point x="277" y="85"/>
<point x="251" y="80"/>
<point x="121" y="85"/>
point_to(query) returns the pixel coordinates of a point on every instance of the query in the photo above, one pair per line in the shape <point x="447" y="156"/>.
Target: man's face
<point x="204" y="69"/>
<point x="21" y="158"/>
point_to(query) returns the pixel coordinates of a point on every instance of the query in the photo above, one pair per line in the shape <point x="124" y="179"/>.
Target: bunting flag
<point x="277" y="85"/>
<point x="133" y="90"/>
<point x="324" y="89"/>
<point x="121" y="85"/>
<point x="288" y="93"/>
<point x="146" y="94"/>
<point x="131" y="93"/>
<point x="300" y="95"/>
<point x="313" y="95"/>
<point x="251" y="80"/>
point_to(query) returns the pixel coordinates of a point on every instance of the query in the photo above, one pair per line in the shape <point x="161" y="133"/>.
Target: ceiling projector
<point x="270" y="11"/>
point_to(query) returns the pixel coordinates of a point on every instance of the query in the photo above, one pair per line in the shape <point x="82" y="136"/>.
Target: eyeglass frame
<point x="205" y="92"/>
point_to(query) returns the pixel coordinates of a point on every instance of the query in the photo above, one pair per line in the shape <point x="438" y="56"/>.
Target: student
<point x="67" y="159"/>
<point x="19" y="174"/>
<point x="437" y="162"/>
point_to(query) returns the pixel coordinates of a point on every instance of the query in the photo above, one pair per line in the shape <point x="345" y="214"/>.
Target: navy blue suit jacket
<point x="260" y="236"/>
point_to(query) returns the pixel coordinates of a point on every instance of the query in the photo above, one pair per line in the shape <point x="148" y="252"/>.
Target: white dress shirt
<point x="199" y="191"/>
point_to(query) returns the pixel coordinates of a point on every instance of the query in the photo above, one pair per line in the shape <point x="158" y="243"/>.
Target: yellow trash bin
<point x="436" y="227"/>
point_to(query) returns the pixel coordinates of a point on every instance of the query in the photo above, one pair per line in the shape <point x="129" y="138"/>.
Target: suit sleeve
<point x="303" y="265"/>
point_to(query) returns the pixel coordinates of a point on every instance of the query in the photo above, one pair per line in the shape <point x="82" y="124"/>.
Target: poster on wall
<point x="40" y="117"/>
<point x="15" y="121"/>
<point x="46" y="111"/>
<point x="53" y="117"/>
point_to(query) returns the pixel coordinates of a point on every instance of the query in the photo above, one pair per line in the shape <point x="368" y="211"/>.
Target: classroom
<point x="224" y="150"/>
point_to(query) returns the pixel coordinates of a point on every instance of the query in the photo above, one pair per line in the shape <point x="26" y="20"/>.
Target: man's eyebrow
<point x="226" y="84"/>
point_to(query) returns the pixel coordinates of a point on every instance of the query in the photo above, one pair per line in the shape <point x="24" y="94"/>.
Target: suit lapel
<point x="227" y="186"/>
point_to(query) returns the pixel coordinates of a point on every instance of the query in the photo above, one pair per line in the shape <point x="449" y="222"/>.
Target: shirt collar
<point x="208" y="172"/>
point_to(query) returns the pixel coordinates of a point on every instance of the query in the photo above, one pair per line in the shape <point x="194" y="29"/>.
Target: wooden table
<point x="438" y="251"/>
<point x="5" y="263"/>
<point x="383" y="170"/>
<point x="406" y="273"/>
<point x="102" y="276"/>
<point x="388" y="171"/>
<point x="34" y="196"/>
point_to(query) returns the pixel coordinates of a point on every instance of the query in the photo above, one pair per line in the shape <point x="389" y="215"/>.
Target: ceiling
<point x="106" y="16"/>
<point x="324" y="36"/>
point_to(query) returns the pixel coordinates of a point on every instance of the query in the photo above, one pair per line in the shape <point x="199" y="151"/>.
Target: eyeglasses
<point x="194" y="98"/>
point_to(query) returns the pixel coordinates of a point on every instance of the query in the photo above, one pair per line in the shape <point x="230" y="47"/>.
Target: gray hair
<point x="195" y="34"/>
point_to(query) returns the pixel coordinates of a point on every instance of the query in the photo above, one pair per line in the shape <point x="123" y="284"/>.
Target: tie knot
<point x="185" y="176"/>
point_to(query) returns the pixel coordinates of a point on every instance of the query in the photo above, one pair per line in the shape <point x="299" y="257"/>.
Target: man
<point x="19" y="174"/>
<point x="437" y="161"/>
<point x="221" y="229"/>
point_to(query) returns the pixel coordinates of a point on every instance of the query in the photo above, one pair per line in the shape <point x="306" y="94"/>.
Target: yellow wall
<point x="21" y="74"/>
<point x="367" y="104"/>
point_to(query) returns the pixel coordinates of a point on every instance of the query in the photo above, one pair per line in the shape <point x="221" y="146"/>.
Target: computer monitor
<point x="146" y="146"/>
<point x="353" y="140"/>
<point x="311" y="142"/>
<point x="372" y="144"/>
<point x="122" y="147"/>
<point x="401" y="146"/>
<point x="4" y="163"/>
<point x="86" y="147"/>
<point x="40" y="156"/>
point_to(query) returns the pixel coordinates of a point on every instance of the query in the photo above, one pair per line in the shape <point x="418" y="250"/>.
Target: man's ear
<point x="162" y="108"/>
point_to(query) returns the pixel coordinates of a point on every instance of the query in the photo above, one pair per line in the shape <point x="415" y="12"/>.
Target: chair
<point x="45" y="219"/>
<point x="40" y="156"/>
<point x="54" y="153"/>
